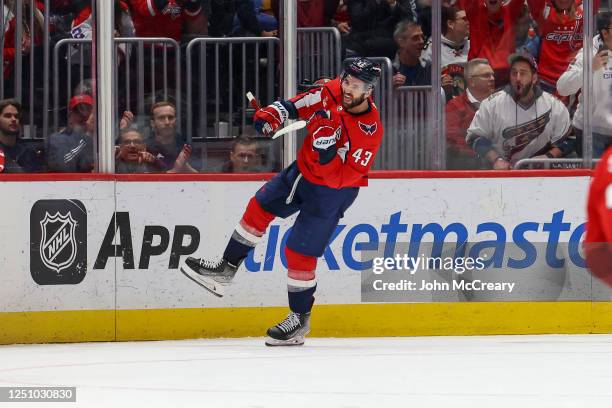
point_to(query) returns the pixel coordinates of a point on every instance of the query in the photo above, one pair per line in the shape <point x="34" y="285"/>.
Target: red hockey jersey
<point x="598" y="242"/>
<point x="149" y="21"/>
<point x="561" y="36"/>
<point x="492" y="37"/>
<point x="360" y="139"/>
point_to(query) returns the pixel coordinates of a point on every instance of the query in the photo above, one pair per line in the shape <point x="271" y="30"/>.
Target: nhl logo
<point x="58" y="244"/>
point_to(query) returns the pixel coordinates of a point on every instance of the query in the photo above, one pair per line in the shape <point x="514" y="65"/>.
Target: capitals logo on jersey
<point x="172" y="9"/>
<point x="368" y="129"/>
<point x="517" y="137"/>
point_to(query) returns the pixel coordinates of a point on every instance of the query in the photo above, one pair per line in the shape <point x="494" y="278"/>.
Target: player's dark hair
<point x="10" y="102"/>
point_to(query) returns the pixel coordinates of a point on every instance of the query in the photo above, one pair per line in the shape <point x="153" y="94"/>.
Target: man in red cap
<point x="71" y="149"/>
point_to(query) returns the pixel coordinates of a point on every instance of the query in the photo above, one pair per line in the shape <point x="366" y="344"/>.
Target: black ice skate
<point x="213" y="276"/>
<point x="291" y="331"/>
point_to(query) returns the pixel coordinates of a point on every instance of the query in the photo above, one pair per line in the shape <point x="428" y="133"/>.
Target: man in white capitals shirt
<point x="520" y="121"/>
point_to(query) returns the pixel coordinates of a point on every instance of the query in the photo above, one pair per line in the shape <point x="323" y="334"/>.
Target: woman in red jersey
<point x="560" y="23"/>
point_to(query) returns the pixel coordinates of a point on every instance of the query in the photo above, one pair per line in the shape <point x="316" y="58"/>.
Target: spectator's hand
<point x="145" y="157"/>
<point x="181" y="160"/>
<point x="399" y="79"/>
<point x="447" y="83"/>
<point x="121" y="152"/>
<point x="600" y="60"/>
<point x="265" y="33"/>
<point x="26" y="43"/>
<point x="325" y="132"/>
<point x="126" y="120"/>
<point x="267" y="120"/>
<point x="344" y="28"/>
<point x="502" y="164"/>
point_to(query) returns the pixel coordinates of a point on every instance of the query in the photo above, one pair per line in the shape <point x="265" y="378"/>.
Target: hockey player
<point x="344" y="134"/>
<point x="520" y="121"/>
<point x="598" y="241"/>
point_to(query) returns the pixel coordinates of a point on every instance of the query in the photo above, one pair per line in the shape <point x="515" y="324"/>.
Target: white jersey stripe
<point x="246" y="234"/>
<point x="301" y="284"/>
<point x="308" y="99"/>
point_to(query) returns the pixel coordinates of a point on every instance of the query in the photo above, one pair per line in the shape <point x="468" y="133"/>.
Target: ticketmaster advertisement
<point x="118" y="244"/>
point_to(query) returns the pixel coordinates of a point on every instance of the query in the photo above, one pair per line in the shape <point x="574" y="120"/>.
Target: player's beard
<point x="355" y="101"/>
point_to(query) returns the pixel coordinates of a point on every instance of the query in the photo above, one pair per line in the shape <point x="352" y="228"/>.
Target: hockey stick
<point x="289" y="128"/>
<point x="292" y="127"/>
<point x="252" y="100"/>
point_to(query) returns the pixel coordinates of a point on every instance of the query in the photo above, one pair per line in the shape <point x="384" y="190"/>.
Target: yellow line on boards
<point x="358" y="320"/>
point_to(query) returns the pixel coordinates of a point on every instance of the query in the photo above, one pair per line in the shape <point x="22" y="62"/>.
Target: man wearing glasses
<point x="460" y="111"/>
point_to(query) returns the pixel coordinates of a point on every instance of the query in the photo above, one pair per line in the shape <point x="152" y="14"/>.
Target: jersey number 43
<point x="358" y="157"/>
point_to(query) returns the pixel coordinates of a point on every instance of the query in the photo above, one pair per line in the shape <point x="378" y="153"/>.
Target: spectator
<point x="461" y="110"/>
<point x="82" y="27"/>
<point x="455" y="47"/>
<point x="520" y="121"/>
<point x="15" y="157"/>
<point x="164" y="18"/>
<point x="131" y="154"/>
<point x="372" y="24"/>
<point x="560" y="23"/>
<point x="526" y="36"/>
<point x="165" y="143"/>
<point x="221" y="15"/>
<point x="492" y="25"/>
<point x="265" y="17"/>
<point x="409" y="69"/>
<point x="341" y="18"/>
<point x="244" y="157"/>
<point x="571" y="82"/>
<point x="71" y="150"/>
<point x="31" y="36"/>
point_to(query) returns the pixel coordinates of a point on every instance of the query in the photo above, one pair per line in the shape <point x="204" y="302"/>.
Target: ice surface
<point x="494" y="371"/>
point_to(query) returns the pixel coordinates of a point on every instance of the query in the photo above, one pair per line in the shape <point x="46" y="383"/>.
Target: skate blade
<point x="295" y="341"/>
<point x="209" y="284"/>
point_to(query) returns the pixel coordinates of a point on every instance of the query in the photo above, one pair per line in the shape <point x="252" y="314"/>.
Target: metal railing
<point x="143" y="76"/>
<point x="228" y="53"/>
<point x="410" y="146"/>
<point x="75" y="50"/>
<point x="34" y="93"/>
<point x="553" y="163"/>
<point x="154" y="64"/>
<point x="319" y="51"/>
